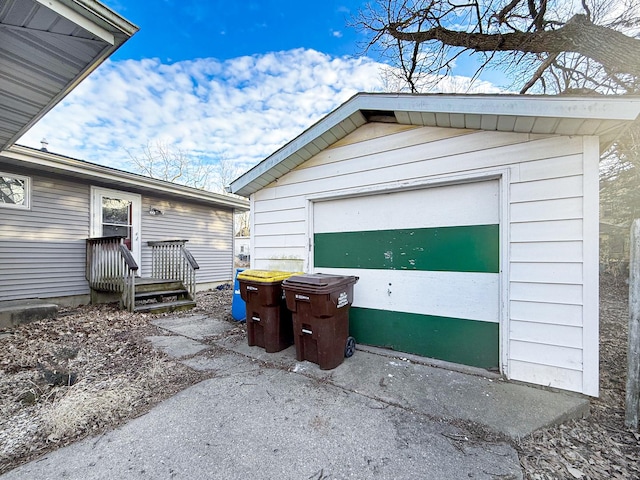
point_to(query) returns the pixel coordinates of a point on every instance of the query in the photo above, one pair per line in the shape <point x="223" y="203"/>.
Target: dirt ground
<point x="83" y="373"/>
<point x="91" y="369"/>
<point x="600" y="446"/>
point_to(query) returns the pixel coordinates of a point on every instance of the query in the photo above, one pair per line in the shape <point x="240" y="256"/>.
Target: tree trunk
<point x="615" y="51"/>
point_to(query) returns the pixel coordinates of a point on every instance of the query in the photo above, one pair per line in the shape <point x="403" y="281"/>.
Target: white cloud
<point x="242" y="109"/>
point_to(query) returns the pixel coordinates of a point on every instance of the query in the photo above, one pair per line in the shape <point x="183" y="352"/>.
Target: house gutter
<point x="608" y="108"/>
<point x="79" y="168"/>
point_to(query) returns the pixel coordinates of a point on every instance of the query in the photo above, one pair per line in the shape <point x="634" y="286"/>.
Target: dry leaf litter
<point x="91" y="369"/>
<point x="600" y="446"/>
<point x="83" y="373"/>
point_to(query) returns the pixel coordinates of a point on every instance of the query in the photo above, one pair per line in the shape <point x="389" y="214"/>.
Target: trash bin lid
<point x="317" y="282"/>
<point x="265" y="276"/>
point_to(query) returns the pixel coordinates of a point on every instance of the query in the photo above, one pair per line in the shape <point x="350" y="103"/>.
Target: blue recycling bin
<point x="238" y="306"/>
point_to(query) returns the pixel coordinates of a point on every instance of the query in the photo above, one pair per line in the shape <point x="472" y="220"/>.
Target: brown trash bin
<point x="320" y="305"/>
<point x="268" y="321"/>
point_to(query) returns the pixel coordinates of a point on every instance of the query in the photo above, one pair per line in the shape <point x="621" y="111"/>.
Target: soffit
<point x="604" y="117"/>
<point x="45" y="51"/>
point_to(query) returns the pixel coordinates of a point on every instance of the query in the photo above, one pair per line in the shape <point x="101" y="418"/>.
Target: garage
<point x="428" y="266"/>
<point x="471" y="221"/>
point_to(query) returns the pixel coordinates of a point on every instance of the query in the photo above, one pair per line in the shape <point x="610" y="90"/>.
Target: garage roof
<point x="603" y="116"/>
<point x="46" y="48"/>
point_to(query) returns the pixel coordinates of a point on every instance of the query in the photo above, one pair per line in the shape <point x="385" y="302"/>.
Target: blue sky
<point x="178" y="30"/>
<point x="217" y="80"/>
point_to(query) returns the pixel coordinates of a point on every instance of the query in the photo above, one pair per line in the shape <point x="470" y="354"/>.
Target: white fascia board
<point x="603" y="108"/>
<point x="78" y="168"/>
<point x="327" y="123"/>
<point x="104" y="15"/>
<point x="80" y="20"/>
<point x="625" y="109"/>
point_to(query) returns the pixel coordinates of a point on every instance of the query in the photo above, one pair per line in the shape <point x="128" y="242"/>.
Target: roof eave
<point x="103" y="14"/>
<point x="105" y="19"/>
<point x="619" y="112"/>
<point x="80" y="169"/>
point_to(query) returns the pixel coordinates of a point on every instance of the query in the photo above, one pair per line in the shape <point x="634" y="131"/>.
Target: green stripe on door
<point x="472" y="248"/>
<point x="468" y="342"/>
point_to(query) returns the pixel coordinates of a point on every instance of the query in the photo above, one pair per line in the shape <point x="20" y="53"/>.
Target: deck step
<point x="161" y="307"/>
<point x="157" y="284"/>
<point x="181" y="292"/>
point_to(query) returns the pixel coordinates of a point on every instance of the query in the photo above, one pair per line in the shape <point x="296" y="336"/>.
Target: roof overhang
<point x="26" y="157"/>
<point x="604" y="116"/>
<point x="46" y="48"/>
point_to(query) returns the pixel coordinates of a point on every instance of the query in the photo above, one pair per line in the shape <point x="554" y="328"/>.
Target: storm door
<point x="116" y="213"/>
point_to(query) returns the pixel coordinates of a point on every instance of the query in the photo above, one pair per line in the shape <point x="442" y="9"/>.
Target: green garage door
<point x="428" y="262"/>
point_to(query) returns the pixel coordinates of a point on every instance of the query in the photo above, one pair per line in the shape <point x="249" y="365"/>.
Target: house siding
<point x="209" y="232"/>
<point x="42" y="250"/>
<point x="549" y="330"/>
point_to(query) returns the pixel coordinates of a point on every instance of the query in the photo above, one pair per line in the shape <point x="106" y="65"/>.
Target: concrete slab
<point x="265" y="415"/>
<point x="511" y="409"/>
<point x="222" y="365"/>
<point x="18" y="312"/>
<point x="177" y="346"/>
<point x="196" y="327"/>
<point x="277" y="424"/>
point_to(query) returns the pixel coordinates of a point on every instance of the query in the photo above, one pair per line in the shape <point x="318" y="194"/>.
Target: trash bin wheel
<point x="350" y="347"/>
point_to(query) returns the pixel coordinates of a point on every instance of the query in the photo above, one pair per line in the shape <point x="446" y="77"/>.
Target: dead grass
<point x="81" y="374"/>
<point x="87" y="406"/>
<point x="91" y="370"/>
<point x="600" y="446"/>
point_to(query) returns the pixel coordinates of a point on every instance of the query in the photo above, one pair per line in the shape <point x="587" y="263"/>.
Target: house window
<point x="117" y="217"/>
<point x="14" y="191"/>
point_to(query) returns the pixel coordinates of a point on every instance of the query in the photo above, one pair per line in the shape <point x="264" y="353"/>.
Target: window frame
<point x="26" y="205"/>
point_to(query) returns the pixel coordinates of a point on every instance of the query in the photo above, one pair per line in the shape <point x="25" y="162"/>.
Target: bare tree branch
<point x="539" y="72"/>
<point x="166" y="162"/>
<point x="621" y="54"/>
<point x="517" y="36"/>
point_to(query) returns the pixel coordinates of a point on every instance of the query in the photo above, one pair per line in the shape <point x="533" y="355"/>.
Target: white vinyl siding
<point x="549" y="244"/>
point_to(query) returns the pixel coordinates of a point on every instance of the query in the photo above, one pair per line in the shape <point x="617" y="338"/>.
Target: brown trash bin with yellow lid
<point x="320" y="306"/>
<point x="268" y="321"/>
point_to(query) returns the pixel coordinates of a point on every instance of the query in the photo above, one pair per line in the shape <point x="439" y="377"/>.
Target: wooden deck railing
<point x="111" y="268"/>
<point x="171" y="260"/>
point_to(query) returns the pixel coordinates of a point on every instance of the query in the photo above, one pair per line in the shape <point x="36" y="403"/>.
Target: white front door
<point x="116" y="213"/>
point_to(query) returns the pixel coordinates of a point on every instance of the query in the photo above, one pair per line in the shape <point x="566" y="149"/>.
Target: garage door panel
<point x="428" y="263"/>
<point x="471" y="248"/>
<point x="450" y="205"/>
<point x="450" y="339"/>
<point x="470" y="296"/>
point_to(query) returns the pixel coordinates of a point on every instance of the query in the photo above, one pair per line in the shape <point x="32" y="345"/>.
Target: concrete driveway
<point x="267" y="416"/>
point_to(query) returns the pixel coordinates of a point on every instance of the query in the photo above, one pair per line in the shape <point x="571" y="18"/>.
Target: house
<point x="72" y="231"/>
<point x="470" y="220"/>
<point x="62" y="202"/>
<point x="241" y="248"/>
